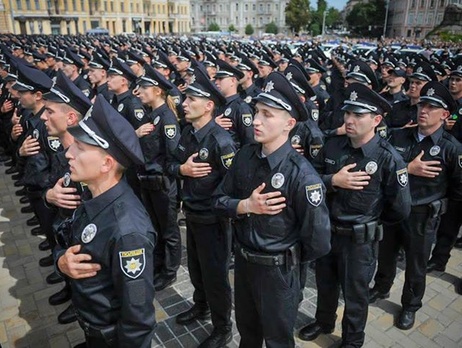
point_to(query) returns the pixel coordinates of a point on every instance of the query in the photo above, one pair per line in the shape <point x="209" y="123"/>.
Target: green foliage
<point x="445" y="36"/>
<point x="367" y="18"/>
<point x="249" y="29"/>
<point x="298" y="14"/>
<point x="231" y="28"/>
<point x="271" y="28"/>
<point x="214" y="27"/>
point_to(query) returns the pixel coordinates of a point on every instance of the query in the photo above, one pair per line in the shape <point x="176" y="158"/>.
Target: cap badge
<point x="435" y="150"/>
<point x="120" y="107"/>
<point x="356" y="68"/>
<point x="353" y="96"/>
<point x="192" y="79"/>
<point x="295" y="140"/>
<point x="371" y="167"/>
<point x="430" y="92"/>
<point x="289" y="76"/>
<point x="89" y="233"/>
<point x="269" y="87"/>
<point x="419" y="69"/>
<point x="203" y="153"/>
<point x="277" y="180"/>
<point x="66" y="179"/>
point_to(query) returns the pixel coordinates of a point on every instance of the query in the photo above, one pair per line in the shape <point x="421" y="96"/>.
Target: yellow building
<point x="79" y="16"/>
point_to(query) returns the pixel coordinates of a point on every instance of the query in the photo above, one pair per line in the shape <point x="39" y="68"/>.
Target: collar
<point x="367" y="149"/>
<point x="277" y="156"/>
<point x="232" y="98"/>
<point x="201" y="133"/>
<point x="123" y="95"/>
<point x="96" y="205"/>
<point x="435" y="136"/>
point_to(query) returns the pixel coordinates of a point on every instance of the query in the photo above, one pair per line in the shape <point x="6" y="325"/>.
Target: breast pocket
<point x="273" y="226"/>
<point x="362" y="202"/>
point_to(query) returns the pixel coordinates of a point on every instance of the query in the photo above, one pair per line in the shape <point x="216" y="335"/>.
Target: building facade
<point x="239" y="13"/>
<point x="414" y="19"/>
<point x="78" y="16"/>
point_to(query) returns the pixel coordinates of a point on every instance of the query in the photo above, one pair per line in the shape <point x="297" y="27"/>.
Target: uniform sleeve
<point x="132" y="271"/>
<point x="311" y="209"/>
<point x="455" y="174"/>
<point x="319" y="164"/>
<point x="397" y="196"/>
<point x="245" y="124"/>
<point x="171" y="134"/>
<point x="226" y="151"/>
<point x="137" y="113"/>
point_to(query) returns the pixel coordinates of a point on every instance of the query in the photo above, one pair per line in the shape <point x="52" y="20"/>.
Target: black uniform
<point x="322" y="97"/>
<point x="115" y="306"/>
<point x="208" y="237"/>
<point x="103" y="89"/>
<point x="355" y="220"/>
<point x="84" y="86"/>
<point x="159" y="190"/>
<point x="394" y="98"/>
<point x="417" y="233"/>
<point x="241" y="115"/>
<point x="267" y="293"/>
<point x="401" y="114"/>
<point x="309" y="136"/>
<point x="130" y="107"/>
<point x="248" y="94"/>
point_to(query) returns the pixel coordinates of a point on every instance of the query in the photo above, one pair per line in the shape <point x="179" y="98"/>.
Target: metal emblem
<point x="315" y="115"/>
<point x="248" y="99"/>
<point x="371" y="167"/>
<point x="156" y="120"/>
<point x="295" y="140"/>
<point x="88" y="233"/>
<point x="435" y="150"/>
<point x="289" y="76"/>
<point x="314" y="194"/>
<point x="120" y="107"/>
<point x="277" y="180"/>
<point x="227" y="111"/>
<point x="269" y="87"/>
<point x="66" y="179"/>
<point x="36" y="134"/>
<point x="203" y="153"/>
<point x="353" y="96"/>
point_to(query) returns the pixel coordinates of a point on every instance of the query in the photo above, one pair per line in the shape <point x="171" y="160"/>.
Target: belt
<point x="262" y="259"/>
<point x="342" y="231"/>
<point x="94" y="332"/>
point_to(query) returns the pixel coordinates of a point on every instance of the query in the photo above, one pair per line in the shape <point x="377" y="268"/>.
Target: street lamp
<point x="324" y="23"/>
<point x="387" y="3"/>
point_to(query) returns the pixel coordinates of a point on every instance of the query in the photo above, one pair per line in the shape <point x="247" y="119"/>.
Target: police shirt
<point x="401" y="114"/>
<point x="240" y="113"/>
<point x="456" y="130"/>
<point x="161" y="142"/>
<point x="103" y="89"/>
<point x="386" y="197"/>
<point x="394" y="98"/>
<point x="322" y="97"/>
<point x="332" y="115"/>
<point x="309" y="136"/>
<point x="130" y="107"/>
<point x="84" y="86"/>
<point x="115" y="229"/>
<point x="37" y="167"/>
<point x="248" y="94"/>
<point x="304" y="221"/>
<point x="440" y="146"/>
<point x="215" y="146"/>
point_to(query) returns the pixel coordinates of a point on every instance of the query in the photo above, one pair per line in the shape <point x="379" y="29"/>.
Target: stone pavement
<point x="27" y="320"/>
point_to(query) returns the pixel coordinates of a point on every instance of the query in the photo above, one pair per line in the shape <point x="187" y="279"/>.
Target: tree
<point x="214" y="27"/>
<point x="333" y="18"/>
<point x="367" y="19"/>
<point x="298" y="14"/>
<point x="272" y="28"/>
<point x="249" y="29"/>
<point x="231" y="28"/>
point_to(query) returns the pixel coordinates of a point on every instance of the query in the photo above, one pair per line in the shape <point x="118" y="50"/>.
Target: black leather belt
<point x="94" y="332"/>
<point x="262" y="259"/>
<point x="342" y="231"/>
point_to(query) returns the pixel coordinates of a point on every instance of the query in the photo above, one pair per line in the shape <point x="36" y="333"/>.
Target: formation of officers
<point x="284" y="160"/>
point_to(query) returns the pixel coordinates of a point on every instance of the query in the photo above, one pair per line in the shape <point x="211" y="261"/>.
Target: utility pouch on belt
<point x="359" y="234"/>
<point x="109" y="334"/>
<point x="379" y="233"/>
<point x="371" y="231"/>
<point x="151" y="182"/>
<point x="438" y="207"/>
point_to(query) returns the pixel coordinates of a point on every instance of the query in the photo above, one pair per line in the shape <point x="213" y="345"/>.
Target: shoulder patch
<point x="247" y="119"/>
<point x="132" y="262"/>
<point x="170" y="131"/>
<point x="227" y="160"/>
<point x="314" y="194"/>
<point x="314" y="150"/>
<point x="402" y="177"/>
<point x="54" y="143"/>
<point x="86" y="92"/>
<point x="460" y="160"/>
<point x="139" y="113"/>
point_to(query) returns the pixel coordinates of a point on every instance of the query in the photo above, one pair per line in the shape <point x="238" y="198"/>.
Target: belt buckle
<point x="276" y="260"/>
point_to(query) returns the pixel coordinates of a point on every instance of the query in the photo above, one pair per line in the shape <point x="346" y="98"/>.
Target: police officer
<point x="72" y="68"/>
<point x="159" y="138"/>
<point x="111" y="246"/>
<point x="203" y="156"/>
<point x="265" y="66"/>
<point x="433" y="161"/>
<point x="37" y="147"/>
<point x="65" y="106"/>
<point x="249" y="89"/>
<point x="236" y="112"/>
<point x="277" y="202"/>
<point x="366" y="184"/>
<point x="395" y="81"/>
<point x="97" y="75"/>
<point x="316" y="70"/>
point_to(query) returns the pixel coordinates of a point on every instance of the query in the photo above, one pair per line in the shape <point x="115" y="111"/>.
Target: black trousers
<point x="350" y="266"/>
<point x="416" y="236"/>
<point x="44" y="214"/>
<point x="266" y="303"/>
<point x="446" y="235"/>
<point x="161" y="207"/>
<point x="209" y="247"/>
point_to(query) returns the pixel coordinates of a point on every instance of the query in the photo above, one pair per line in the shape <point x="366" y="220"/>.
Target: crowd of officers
<point x="282" y="159"/>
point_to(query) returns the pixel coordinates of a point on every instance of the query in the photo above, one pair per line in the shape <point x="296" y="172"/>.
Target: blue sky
<point x="340" y="4"/>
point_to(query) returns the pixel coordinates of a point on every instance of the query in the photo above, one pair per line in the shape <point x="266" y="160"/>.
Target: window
<point x="412" y="3"/>
<point x="220" y="8"/>
<point x="19" y="4"/>
<point x="82" y="7"/>
<point x="254" y="7"/>
<point x="432" y="3"/>
<point x="276" y="6"/>
<point x="246" y="7"/>
<point x="408" y="33"/>
<point x="420" y="18"/>
<point x="441" y="3"/>
<point x="66" y="6"/>
<point x="84" y="25"/>
<point x="74" y="5"/>
<point x="422" y="3"/>
<point x="260" y="8"/>
<point x="410" y="18"/>
<point x="105" y="6"/>
<point x="237" y="6"/>
<point x="268" y="7"/>
<point x="28" y="7"/>
<point x="122" y="8"/>
<point x="112" y="6"/>
<point x="37" y="4"/>
<point x="429" y="18"/>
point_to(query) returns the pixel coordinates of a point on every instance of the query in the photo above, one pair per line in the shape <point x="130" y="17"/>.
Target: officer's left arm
<point x="132" y="272"/>
<point x="395" y="186"/>
<point x="138" y="112"/>
<point x="224" y="201"/>
<point x="310" y="205"/>
<point x="171" y="134"/>
<point x="245" y="124"/>
<point x="226" y="150"/>
<point x="455" y="173"/>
